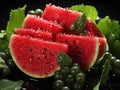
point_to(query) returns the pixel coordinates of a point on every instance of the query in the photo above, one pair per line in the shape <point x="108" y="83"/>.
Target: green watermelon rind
<point x="95" y="56"/>
<point x="106" y="49"/>
<point x="25" y="72"/>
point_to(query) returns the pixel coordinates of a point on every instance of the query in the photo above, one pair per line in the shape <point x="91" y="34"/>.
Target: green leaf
<point x="108" y="26"/>
<point x="3" y="44"/>
<point x="2" y="63"/>
<point x="116" y="46"/>
<point x="104" y="76"/>
<point x="3" y="41"/>
<point x="105" y="25"/>
<point x="80" y="23"/>
<point x="10" y="85"/>
<point x="105" y="72"/>
<point x="111" y="29"/>
<point x="64" y="59"/>
<point x="16" y="19"/>
<point x="97" y="86"/>
<point x="2" y="33"/>
<point x="89" y="10"/>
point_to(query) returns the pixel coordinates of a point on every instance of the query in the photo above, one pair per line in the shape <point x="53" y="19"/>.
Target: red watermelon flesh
<point x="37" y="23"/>
<point x="35" y="34"/>
<point x="82" y="49"/>
<point x="92" y="29"/>
<point x="67" y="17"/>
<point x="53" y="13"/>
<point x="35" y="57"/>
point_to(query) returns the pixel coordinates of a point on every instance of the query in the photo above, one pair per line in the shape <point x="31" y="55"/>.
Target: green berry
<point x="76" y="64"/>
<point x="74" y="70"/>
<point x="80" y="78"/>
<point x="58" y="75"/>
<point x="77" y="86"/>
<point x="117" y="64"/>
<point x="69" y="79"/>
<point x="58" y="84"/>
<point x="65" y="88"/>
<point x="112" y="60"/>
<point x="38" y="12"/>
<point x="107" y="55"/>
<point x="31" y="12"/>
<point x="64" y="70"/>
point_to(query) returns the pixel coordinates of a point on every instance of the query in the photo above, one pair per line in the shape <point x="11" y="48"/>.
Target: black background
<point x="104" y="7"/>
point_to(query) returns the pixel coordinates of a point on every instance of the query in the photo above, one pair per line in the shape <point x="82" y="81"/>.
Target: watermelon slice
<point x="37" y="23"/>
<point x="35" y="34"/>
<point x="82" y="49"/>
<point x="92" y="29"/>
<point x="36" y="45"/>
<point x="35" y="57"/>
<point x="67" y="17"/>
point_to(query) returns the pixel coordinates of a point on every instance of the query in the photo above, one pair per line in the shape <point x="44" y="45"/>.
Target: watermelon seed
<point x="78" y="52"/>
<point x="74" y="42"/>
<point x="45" y="56"/>
<point x="76" y="47"/>
<point x="58" y="20"/>
<point x="44" y="50"/>
<point x="75" y="57"/>
<point x="70" y="46"/>
<point x="51" y="53"/>
<point x="51" y="66"/>
<point x="38" y="58"/>
<point x="31" y="49"/>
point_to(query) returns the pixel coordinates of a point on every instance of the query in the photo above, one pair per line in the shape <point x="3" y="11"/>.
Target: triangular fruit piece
<point x="82" y="49"/>
<point x="67" y="17"/>
<point x="37" y="23"/>
<point x="35" y="34"/>
<point x="92" y="29"/>
<point x="35" y="57"/>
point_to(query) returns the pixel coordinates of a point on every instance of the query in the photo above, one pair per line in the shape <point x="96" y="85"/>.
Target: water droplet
<point x="30" y="59"/>
<point x="51" y="66"/>
<point x="31" y="49"/>
<point x="46" y="64"/>
<point x="38" y="58"/>
<point x="60" y="57"/>
<point x="48" y="69"/>
<point x="45" y="56"/>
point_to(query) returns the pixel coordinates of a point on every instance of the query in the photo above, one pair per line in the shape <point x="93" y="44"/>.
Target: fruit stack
<point x="36" y="45"/>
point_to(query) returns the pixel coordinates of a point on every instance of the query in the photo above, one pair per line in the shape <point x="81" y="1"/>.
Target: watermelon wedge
<point x="66" y="18"/>
<point x="37" y="23"/>
<point x="35" y="34"/>
<point x="82" y="49"/>
<point x="35" y="57"/>
<point x="36" y="45"/>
